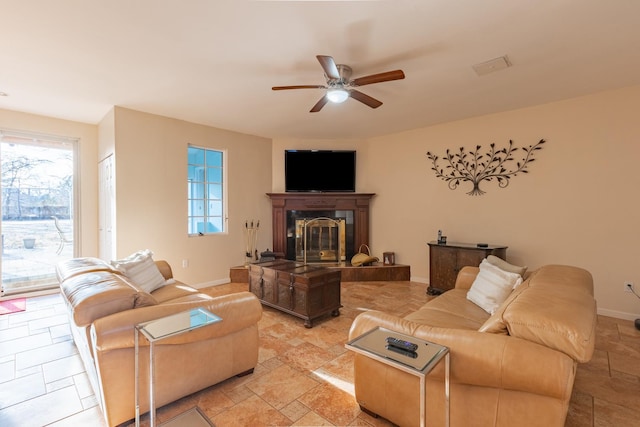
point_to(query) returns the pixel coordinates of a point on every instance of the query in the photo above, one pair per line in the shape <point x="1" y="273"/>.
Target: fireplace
<point x="319" y="227"/>
<point x="317" y="240"/>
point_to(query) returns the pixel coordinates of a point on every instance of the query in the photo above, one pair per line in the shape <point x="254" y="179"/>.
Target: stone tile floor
<point x="32" y="269"/>
<point x="304" y="376"/>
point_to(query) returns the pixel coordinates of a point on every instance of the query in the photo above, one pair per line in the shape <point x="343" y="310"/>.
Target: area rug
<point x="13" y="306"/>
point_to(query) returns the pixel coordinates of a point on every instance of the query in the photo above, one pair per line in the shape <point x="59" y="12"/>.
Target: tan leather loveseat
<point x="104" y="306"/>
<point x="515" y="367"/>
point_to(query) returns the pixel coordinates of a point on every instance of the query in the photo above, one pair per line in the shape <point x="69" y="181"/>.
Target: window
<point x="206" y="191"/>
<point x="38" y="221"/>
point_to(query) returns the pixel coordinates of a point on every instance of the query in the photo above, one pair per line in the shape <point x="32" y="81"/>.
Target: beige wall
<point x="106" y="135"/>
<point x="87" y="136"/>
<point x="151" y="193"/>
<point x="577" y="205"/>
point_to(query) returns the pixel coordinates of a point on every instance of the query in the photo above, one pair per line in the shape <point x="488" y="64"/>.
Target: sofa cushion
<point x="75" y="266"/>
<point x="492" y="286"/>
<point x="495" y="324"/>
<point x="97" y="294"/>
<point x="172" y="291"/>
<point x="557" y="310"/>
<point x="140" y="268"/>
<point x="450" y="310"/>
<point x="165" y="269"/>
<point x="191" y="298"/>
<point x="143" y="298"/>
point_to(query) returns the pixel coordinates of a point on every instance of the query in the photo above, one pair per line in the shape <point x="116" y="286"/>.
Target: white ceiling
<point x="214" y="61"/>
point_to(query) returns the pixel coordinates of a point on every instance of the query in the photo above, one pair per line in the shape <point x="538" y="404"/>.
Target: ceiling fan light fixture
<point x="337" y="95"/>
<point x="340" y="87"/>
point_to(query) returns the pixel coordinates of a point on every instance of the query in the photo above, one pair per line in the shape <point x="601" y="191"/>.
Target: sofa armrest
<point x="486" y="360"/>
<point x="238" y="311"/>
<point x="466" y="276"/>
<point x="165" y="269"/>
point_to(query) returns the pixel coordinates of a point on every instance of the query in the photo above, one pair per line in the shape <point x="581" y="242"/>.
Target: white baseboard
<point x="618" y="314"/>
<point x="31" y="294"/>
<point x="212" y="283"/>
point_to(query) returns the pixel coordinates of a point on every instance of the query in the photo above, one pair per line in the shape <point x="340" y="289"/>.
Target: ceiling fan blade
<point x="299" y="87"/>
<point x="329" y="66"/>
<point x="321" y="103"/>
<point x="378" y="78"/>
<point x="365" y="99"/>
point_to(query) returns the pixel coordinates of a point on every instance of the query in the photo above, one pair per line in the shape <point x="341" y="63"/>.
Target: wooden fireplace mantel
<point x="283" y="202"/>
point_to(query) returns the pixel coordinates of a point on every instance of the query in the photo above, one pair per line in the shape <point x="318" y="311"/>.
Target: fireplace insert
<point x="319" y="236"/>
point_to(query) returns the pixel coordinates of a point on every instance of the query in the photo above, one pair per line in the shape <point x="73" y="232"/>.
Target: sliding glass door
<point x="37" y="224"/>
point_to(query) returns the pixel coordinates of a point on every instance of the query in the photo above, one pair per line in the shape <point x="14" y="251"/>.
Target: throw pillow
<point x="492" y="286"/>
<point x="504" y="265"/>
<point x="140" y="268"/>
<point x="496" y="324"/>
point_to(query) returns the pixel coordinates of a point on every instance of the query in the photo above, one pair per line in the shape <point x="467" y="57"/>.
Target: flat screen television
<point x="320" y="170"/>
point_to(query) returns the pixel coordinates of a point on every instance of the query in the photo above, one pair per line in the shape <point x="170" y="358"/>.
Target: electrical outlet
<point x="185" y="263"/>
<point x="628" y="286"/>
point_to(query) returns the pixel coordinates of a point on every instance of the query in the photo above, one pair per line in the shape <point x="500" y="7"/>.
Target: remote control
<point x="403" y="345"/>
<point x="411" y="354"/>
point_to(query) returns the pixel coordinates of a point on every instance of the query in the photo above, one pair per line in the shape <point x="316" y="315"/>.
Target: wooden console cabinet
<point x="301" y="290"/>
<point x="445" y="260"/>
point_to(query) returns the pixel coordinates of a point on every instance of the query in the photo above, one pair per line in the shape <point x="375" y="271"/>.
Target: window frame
<point x="206" y="199"/>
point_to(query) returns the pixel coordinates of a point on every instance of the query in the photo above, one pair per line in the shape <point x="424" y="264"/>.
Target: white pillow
<point x="504" y="265"/>
<point x="492" y="286"/>
<point x="140" y="268"/>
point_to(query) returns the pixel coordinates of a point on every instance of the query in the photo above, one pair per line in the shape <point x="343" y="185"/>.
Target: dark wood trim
<point x="283" y="202"/>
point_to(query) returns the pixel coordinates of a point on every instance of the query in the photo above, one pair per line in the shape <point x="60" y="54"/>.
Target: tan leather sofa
<point x="513" y="368"/>
<point x="104" y="307"/>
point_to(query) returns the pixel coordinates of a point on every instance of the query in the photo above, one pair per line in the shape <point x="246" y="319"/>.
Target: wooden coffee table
<point x="305" y="291"/>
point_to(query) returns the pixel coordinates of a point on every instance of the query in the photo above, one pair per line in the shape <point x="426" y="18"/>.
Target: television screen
<point x="320" y="170"/>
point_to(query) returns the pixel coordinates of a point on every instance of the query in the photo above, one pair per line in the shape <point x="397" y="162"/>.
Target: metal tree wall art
<point x="475" y="166"/>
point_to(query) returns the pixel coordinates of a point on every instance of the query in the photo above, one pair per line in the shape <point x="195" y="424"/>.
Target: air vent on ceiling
<point x="492" y="65"/>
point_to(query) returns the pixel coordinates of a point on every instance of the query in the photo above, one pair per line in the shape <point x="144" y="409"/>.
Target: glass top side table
<point x="373" y="344"/>
<point x="159" y="329"/>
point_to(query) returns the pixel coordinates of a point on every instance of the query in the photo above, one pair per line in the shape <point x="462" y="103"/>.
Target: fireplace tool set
<point x="251" y="240"/>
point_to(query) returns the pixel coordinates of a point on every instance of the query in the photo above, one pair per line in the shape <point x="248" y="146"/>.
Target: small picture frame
<point x="388" y="258"/>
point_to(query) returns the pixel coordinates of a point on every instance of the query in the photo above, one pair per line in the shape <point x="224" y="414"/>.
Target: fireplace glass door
<point x="320" y="240"/>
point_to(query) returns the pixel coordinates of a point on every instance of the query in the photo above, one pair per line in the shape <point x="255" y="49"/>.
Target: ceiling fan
<point x="340" y="87"/>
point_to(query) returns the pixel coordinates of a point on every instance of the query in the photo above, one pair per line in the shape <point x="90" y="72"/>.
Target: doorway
<point x="38" y="228"/>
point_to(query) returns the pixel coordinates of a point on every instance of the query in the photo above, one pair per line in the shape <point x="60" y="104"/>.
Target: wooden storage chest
<point x="305" y="291"/>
